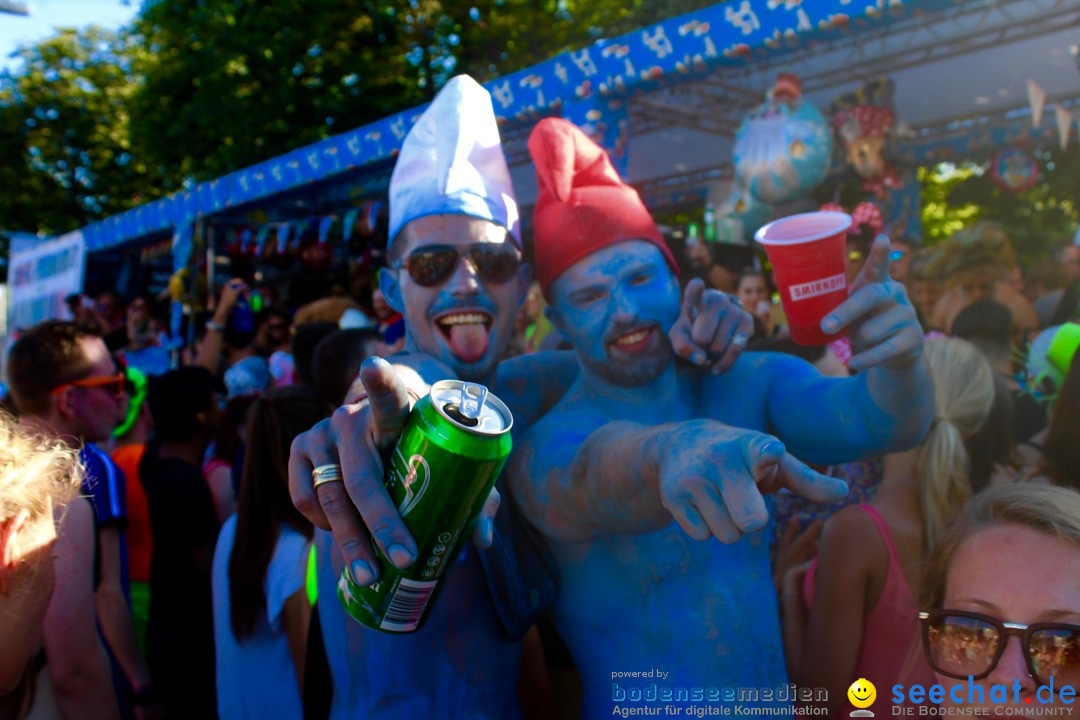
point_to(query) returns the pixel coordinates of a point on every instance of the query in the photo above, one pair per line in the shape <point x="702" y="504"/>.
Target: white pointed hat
<point x="452" y="162"/>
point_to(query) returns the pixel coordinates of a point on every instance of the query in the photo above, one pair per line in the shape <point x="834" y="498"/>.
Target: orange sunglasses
<point x="109" y="382"/>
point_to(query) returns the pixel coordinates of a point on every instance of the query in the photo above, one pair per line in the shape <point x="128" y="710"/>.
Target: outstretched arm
<point x="531" y="384"/>
<point x="888" y="406"/>
<point x="576" y="480"/>
<point x="358" y="510"/>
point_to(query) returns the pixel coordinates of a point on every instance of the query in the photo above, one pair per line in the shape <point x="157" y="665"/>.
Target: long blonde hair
<point x="963" y="398"/>
<point x="36" y="473"/>
<point x="1051" y="510"/>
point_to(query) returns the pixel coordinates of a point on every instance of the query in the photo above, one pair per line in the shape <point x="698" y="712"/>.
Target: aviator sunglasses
<point x="431" y="264"/>
<point x="959" y="644"/>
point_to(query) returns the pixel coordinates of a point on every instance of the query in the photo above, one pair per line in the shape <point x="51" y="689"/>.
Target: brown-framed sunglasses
<point x="961" y="644"/>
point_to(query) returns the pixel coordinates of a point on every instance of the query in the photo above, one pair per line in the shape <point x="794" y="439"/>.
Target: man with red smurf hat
<point x="628" y="470"/>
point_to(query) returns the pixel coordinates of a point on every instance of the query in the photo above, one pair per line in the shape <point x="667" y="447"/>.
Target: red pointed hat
<point x="583" y="206"/>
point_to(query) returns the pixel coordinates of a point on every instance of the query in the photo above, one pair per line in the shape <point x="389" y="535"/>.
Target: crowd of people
<point x="690" y="492"/>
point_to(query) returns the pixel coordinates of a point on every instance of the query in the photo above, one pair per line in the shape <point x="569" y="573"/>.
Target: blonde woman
<point x="37" y="477"/>
<point x="861" y="590"/>
<point x="1004" y="584"/>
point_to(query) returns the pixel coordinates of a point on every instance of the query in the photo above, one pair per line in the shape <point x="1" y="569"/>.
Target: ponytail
<point x="963" y="398"/>
<point x="942" y="464"/>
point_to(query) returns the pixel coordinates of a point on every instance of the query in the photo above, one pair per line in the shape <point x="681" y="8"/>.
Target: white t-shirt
<point x="256" y="677"/>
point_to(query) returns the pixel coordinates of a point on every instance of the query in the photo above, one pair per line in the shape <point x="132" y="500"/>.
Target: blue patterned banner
<point x="589" y="86"/>
<point x="607" y="122"/>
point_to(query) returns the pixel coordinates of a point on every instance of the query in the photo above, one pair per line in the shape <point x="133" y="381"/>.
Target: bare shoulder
<point x="850" y="522"/>
<point x="532" y="384"/>
<point x="533" y="364"/>
<point x="75" y="526"/>
<point x="851" y="534"/>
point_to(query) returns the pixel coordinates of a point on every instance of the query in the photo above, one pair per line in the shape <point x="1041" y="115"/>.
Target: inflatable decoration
<point x="744" y="211"/>
<point x="1014" y="170"/>
<point x="783" y="147"/>
<point x="864" y="130"/>
<point x="865" y="213"/>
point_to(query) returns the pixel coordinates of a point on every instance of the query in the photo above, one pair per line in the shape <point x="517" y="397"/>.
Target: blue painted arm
<point x="576" y="477"/>
<point x="888" y="406"/>
<point x="532" y="384"/>
<point x="830" y="420"/>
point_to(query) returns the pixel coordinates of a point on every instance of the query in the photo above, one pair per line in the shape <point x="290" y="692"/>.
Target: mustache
<point x="622" y="328"/>
<point x="474" y="303"/>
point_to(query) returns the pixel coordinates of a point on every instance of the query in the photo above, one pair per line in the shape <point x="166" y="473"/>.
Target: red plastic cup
<point x="807" y="255"/>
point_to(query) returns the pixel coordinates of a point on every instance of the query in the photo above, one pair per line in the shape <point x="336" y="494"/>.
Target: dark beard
<point x="637" y="370"/>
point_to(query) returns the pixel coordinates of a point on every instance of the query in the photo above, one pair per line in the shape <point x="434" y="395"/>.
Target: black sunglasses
<point x="959" y="644"/>
<point x="431" y="264"/>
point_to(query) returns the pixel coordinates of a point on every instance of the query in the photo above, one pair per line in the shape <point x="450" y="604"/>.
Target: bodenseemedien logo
<point x="862" y="695"/>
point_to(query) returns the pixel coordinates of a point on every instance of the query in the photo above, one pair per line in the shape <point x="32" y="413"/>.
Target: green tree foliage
<point x="230" y="83"/>
<point x="488" y="38"/>
<point x="65" y="134"/>
<point x="233" y="82"/>
<point x="94" y="122"/>
<point x="1036" y="220"/>
<point x="940" y="217"/>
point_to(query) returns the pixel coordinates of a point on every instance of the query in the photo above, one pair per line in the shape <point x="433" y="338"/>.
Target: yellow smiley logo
<point x="862" y="693"/>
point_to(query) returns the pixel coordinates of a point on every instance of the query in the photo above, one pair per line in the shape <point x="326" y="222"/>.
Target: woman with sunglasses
<point x="1002" y="597"/>
<point x="859" y="595"/>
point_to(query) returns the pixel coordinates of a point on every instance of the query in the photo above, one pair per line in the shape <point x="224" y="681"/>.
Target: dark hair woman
<point x="261" y="611"/>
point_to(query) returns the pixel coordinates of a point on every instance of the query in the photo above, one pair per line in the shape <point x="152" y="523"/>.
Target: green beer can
<point x="453" y="447"/>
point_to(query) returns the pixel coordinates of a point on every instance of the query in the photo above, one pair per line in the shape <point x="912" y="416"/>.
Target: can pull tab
<point x="473" y="397"/>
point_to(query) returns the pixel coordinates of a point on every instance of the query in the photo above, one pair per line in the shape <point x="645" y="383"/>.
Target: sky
<point x="46" y="15"/>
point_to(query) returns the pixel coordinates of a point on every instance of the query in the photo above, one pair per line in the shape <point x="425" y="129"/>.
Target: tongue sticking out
<point x="469" y="341"/>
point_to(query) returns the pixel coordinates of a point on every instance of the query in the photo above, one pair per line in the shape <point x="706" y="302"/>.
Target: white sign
<point x="818" y="287"/>
<point x="40" y="277"/>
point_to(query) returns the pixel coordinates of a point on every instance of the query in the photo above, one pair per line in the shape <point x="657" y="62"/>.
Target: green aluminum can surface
<point x="453" y="447"/>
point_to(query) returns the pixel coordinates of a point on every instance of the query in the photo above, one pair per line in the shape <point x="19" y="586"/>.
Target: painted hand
<point x="713" y="478"/>
<point x="359" y="509"/>
<point x="880" y="320"/>
<point x="712" y="328"/>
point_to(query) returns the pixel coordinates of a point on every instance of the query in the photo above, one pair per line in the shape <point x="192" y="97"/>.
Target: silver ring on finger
<point x="739" y="339"/>
<point x="325" y="474"/>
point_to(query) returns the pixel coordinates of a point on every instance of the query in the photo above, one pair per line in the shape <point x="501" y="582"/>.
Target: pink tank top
<point x="889" y="649"/>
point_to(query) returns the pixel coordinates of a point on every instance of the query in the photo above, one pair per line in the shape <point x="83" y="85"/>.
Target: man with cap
<point x="456" y="273"/>
<point x="623" y="473"/>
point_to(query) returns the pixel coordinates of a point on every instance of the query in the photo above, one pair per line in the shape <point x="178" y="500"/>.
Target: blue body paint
<point x="625" y="292"/>
<point x="428" y="310"/>
<point x="705" y="613"/>
<point x="460" y="665"/>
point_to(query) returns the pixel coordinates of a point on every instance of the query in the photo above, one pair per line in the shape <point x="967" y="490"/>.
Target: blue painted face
<point x="616" y="306"/>
<point x="463" y="320"/>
